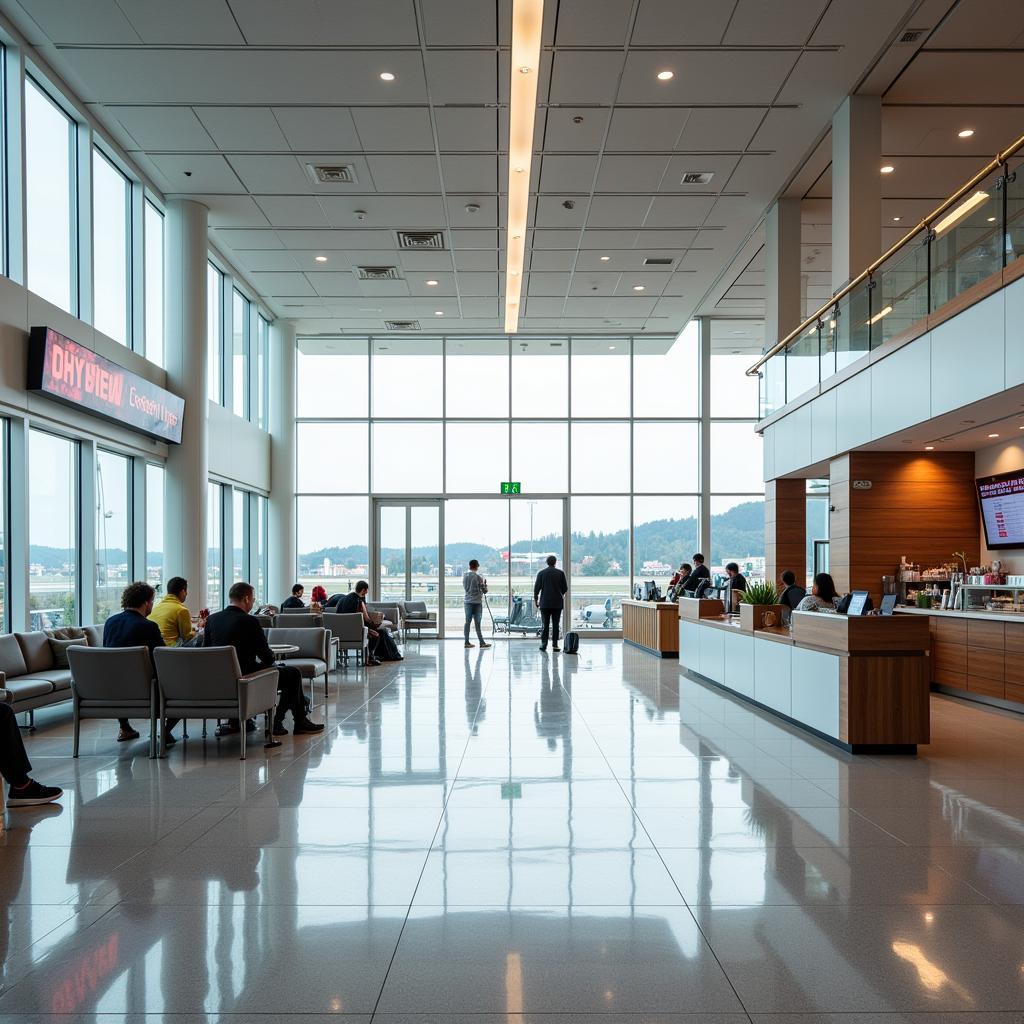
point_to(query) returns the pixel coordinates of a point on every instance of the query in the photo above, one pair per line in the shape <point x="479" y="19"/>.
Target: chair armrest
<point x="257" y="692"/>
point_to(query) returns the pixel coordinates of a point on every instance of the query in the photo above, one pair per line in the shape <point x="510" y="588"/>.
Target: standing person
<point x="475" y="586"/>
<point x="700" y="572"/>
<point x="295" y="601"/>
<point x="792" y="595"/>
<point x="549" y="592"/>
<point x="173" y="618"/>
<point x="131" y="627"/>
<point x="235" y="627"/>
<point x="14" y="766"/>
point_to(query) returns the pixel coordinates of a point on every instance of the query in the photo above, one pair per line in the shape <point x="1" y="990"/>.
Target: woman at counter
<point x="822" y="597"/>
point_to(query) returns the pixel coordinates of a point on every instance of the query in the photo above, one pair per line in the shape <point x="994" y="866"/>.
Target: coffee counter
<point x="861" y="682"/>
<point x="652" y="626"/>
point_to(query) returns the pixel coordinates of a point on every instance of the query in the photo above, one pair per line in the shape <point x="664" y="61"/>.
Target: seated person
<point x="235" y="627"/>
<point x="736" y="585"/>
<point x="356" y="602"/>
<point x="681" y="576"/>
<point x="331" y="604"/>
<point x="700" y="572"/>
<point x="295" y="601"/>
<point x="822" y="597"/>
<point x="791" y="595"/>
<point x="131" y="627"/>
<point x="14" y="766"/>
<point x="173" y="618"/>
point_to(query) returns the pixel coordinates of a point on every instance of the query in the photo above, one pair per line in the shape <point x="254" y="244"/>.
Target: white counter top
<point x="974" y="613"/>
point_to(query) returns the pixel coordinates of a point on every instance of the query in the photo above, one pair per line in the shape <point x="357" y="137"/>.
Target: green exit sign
<point x="511" y="487"/>
<point x="511" y="790"/>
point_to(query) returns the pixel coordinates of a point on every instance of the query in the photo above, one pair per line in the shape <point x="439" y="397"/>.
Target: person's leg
<point x="468" y="608"/>
<point x="556" y="621"/>
<point x="290" y="684"/>
<point x="478" y="618"/>
<point x="14" y="766"/>
<point x="127" y="732"/>
<point x="545" y="618"/>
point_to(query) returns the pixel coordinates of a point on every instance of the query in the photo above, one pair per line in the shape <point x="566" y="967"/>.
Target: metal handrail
<point x="864" y="275"/>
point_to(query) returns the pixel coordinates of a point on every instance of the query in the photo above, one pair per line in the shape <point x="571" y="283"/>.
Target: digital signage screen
<point x="1002" y="509"/>
<point x="70" y="373"/>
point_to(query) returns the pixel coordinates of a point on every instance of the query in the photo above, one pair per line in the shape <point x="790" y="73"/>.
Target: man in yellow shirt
<point x="171" y="615"/>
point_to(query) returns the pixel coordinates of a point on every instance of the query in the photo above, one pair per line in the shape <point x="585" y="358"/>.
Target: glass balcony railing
<point x="974" y="234"/>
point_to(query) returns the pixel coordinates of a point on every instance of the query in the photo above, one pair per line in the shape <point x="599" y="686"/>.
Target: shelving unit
<point x="1013" y="588"/>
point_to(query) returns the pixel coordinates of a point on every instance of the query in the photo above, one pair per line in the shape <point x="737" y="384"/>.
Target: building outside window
<point x="215" y="333"/>
<point x="239" y="535"/>
<point x="54" y="502"/>
<point x="155" y="566"/>
<point x="214" y="550"/>
<point x="154" y="284"/>
<point x="111" y="249"/>
<point x="261" y="550"/>
<point x="114" y="570"/>
<point x="51" y="212"/>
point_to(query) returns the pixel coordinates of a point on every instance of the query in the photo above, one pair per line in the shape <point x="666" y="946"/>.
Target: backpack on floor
<point x="387" y="649"/>
<point x="571" y="643"/>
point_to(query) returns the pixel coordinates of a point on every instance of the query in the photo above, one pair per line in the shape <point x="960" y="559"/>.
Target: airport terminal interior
<point x="512" y="510"/>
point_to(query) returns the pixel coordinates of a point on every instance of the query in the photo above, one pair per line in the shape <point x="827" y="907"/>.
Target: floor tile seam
<point x="689" y="909"/>
<point x="426" y="858"/>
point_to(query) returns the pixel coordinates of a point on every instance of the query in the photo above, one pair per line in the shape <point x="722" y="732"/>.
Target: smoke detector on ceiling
<point x="696" y="177"/>
<point x="332" y="174"/>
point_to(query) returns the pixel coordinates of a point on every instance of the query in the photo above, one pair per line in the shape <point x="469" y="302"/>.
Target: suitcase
<point x="571" y="643"/>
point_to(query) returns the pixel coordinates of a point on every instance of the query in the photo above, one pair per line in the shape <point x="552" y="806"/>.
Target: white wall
<point x="239" y="450"/>
<point x="1001" y="458"/>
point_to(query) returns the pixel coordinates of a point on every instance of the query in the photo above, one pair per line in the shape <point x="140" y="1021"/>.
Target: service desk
<point x="859" y="682"/>
<point x="652" y="626"/>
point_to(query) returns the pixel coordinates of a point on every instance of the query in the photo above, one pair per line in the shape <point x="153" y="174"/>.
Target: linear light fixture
<point x="527" y="21"/>
<point x="878" y="316"/>
<point x="960" y="212"/>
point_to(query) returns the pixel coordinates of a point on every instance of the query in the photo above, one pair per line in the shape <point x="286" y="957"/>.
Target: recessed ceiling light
<point x="965" y="133"/>
<point x="929" y="447"/>
<point x="611" y="348"/>
<point x="666" y="76"/>
<point x="320" y="259"/>
<point x="387" y="76"/>
<point x="605" y="259"/>
<point x="638" y="287"/>
<point x="431" y="284"/>
<point x="887" y="168"/>
<point x="438" y="312"/>
<point x="991" y="220"/>
<point x="993" y="435"/>
<point x="897" y="218"/>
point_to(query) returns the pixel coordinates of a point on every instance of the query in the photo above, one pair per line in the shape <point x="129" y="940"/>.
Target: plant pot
<point x="752" y="615"/>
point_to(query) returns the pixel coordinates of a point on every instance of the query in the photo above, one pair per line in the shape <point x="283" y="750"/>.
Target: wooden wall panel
<point x="785" y="527"/>
<point x="920" y="504"/>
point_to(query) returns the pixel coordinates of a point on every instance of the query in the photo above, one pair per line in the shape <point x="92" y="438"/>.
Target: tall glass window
<point x="3" y="161"/>
<point x="214" y="332"/>
<point x="214" y="550"/>
<point x="156" y="571"/>
<point x="261" y="551"/>
<point x="262" y="369"/>
<point x="154" y="274"/>
<point x="111" y="249"/>
<point x="53" y="497"/>
<point x="51" y="210"/>
<point x="113" y="531"/>
<point x="239" y="353"/>
<point x="239" y="535"/>
<point x="4" y="477"/>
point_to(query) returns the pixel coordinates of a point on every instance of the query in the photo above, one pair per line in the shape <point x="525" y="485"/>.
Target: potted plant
<point x="757" y="600"/>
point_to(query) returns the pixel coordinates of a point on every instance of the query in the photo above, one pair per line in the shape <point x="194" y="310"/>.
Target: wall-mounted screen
<point x="1002" y="509"/>
<point x="68" y="372"/>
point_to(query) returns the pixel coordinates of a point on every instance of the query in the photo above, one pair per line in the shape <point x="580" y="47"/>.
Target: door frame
<point x="408" y="504"/>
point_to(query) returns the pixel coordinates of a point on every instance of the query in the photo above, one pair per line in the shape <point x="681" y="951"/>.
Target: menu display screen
<point x="1002" y="509"/>
<point x="70" y="373"/>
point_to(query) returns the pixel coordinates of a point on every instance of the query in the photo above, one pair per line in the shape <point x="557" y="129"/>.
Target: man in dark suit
<point x="700" y="572"/>
<point x="793" y="594"/>
<point x="235" y="627"/>
<point x="131" y="627"/>
<point x="549" y="592"/>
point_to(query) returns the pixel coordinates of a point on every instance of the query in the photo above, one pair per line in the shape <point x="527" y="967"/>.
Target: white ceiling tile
<point x="473" y="239"/>
<point x="562" y="133"/>
<point x="252" y="128"/>
<point x="318" y="128"/>
<point x="85" y="22"/>
<point x="204" y="22"/>
<point x="635" y="173"/>
<point x="705" y="76"/>
<point x="581" y="76"/>
<point x="233" y="211"/>
<point x="292" y="211"/>
<point x="164" y="128"/>
<point x="486" y="216"/>
<point x="314" y="23"/>
<point x="593" y="306"/>
<point x="404" y="172"/>
<point x="683" y="211"/>
<point x="480" y="307"/>
<point x="417" y="282"/>
<point x="646" y="128"/>
<point x="197" y="173"/>
<point x="980" y="24"/>
<point x="326" y="239"/>
<point x="478" y="260"/>
<point x="469" y="173"/>
<point x="547" y="284"/>
<point x="280" y="283"/>
<point x="419" y="212"/>
<point x="555" y="238"/>
<point x="430" y="264"/>
<point x="398" y="129"/>
<point x="756" y="23"/>
<point x="664" y="238"/>
<point x="608" y="241"/>
<point x="592" y="22"/>
<point x="634" y="307"/>
<point x="270" y="172"/>
<point x="957" y="78"/>
<point x="681" y="22"/>
<point x="544" y="306"/>
<point x="269" y="259"/>
<point x="332" y="284"/>
<point x="475" y="283"/>
<point x="459" y="23"/>
<point x="461" y="129"/>
<point x="552" y="211"/>
<point x="564" y="173"/>
<point x="461" y="76"/>
<point x="719" y="128"/>
<point x="249" y="239"/>
<point x="593" y="283"/>
<point x="618" y="211"/>
<point x="552" y="259"/>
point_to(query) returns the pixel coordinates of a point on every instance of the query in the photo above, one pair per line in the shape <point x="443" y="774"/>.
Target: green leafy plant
<point x="760" y="593"/>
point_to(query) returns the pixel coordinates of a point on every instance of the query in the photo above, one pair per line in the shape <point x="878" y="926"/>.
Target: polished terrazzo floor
<point x="484" y="836"/>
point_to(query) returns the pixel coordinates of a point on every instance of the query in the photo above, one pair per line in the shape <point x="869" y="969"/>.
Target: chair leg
<point x="152" y="732"/>
<point x="163" y="729"/>
<point x="204" y="728"/>
<point x="184" y="728"/>
<point x="243" y="722"/>
<point x="78" y="725"/>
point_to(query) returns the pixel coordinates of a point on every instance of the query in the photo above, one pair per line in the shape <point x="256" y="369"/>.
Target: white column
<point x="782" y="270"/>
<point x="186" y="357"/>
<point x="281" y="544"/>
<point x="856" y="187"/>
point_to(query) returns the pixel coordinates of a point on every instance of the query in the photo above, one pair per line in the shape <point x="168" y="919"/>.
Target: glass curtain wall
<point x="5" y="469"/>
<point x="113" y="531"/>
<point x="111" y="248"/>
<point x="214" y="550"/>
<point x="156" y="572"/>
<point x="154" y="284"/>
<point x="214" y="333"/>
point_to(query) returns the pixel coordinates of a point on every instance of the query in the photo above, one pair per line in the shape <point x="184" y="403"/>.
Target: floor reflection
<point x="479" y="830"/>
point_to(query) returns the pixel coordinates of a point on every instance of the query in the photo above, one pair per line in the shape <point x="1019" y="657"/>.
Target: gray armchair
<point x="297" y="620"/>
<point x="207" y="682"/>
<point x="112" y="683"/>
<point x="391" y="612"/>
<point x="350" y="632"/>
<point x="313" y="656"/>
<point x="417" y="617"/>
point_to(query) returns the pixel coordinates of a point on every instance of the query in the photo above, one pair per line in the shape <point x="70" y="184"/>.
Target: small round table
<point x="282" y="651"/>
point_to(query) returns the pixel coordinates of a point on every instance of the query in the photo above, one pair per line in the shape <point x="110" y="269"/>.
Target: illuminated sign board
<point x="70" y="373"/>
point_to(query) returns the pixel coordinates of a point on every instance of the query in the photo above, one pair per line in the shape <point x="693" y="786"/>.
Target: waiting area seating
<point x="312" y="658"/>
<point x="418" y="618"/>
<point x="350" y="632"/>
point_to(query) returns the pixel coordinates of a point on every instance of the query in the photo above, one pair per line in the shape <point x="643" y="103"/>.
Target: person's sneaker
<point x="170" y="739"/>
<point x="467" y="645"/>
<point x="124" y="735"/>
<point x="483" y="645"/>
<point x="556" y="648"/>
<point x="543" y="650"/>
<point x="279" y="729"/>
<point x="227" y="729"/>
<point x="32" y="793"/>
<point x="250" y="725"/>
<point x="374" y="661"/>
<point x="306" y="725"/>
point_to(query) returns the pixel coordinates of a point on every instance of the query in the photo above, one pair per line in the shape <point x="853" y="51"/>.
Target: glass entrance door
<point x="407" y="552"/>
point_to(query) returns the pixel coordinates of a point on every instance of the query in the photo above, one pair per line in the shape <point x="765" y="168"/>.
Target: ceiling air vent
<point x="332" y="174"/>
<point x="402" y="325"/>
<point x="378" y="274"/>
<point x="420" y="239"/>
<point x="658" y="261"/>
<point x="697" y="177"/>
<point x="912" y="35"/>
